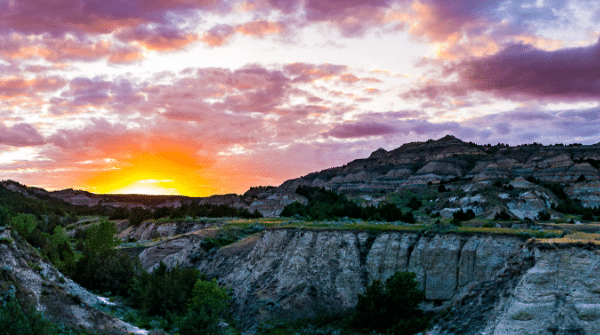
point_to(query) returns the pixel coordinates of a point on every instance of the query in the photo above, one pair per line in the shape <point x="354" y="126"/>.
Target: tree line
<point x="324" y="204"/>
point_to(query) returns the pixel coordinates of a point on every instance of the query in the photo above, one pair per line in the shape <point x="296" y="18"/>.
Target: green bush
<point x="460" y="215"/>
<point x="105" y="270"/>
<point x="391" y="308"/>
<point x="205" y="309"/>
<point x="414" y="203"/>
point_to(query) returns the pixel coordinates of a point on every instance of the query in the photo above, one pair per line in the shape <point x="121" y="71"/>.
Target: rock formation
<point x="493" y="284"/>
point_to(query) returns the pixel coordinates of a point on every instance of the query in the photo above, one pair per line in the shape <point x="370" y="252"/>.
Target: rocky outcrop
<point x="38" y="284"/>
<point x="539" y="291"/>
<point x="529" y="204"/>
<point x="150" y="230"/>
<point x="559" y="295"/>
<point x="586" y="192"/>
<point x="271" y="203"/>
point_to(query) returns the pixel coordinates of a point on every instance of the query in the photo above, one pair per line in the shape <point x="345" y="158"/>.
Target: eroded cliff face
<point x="559" y="295"/>
<point x="300" y="273"/>
<point x="543" y="290"/>
<point x="487" y="284"/>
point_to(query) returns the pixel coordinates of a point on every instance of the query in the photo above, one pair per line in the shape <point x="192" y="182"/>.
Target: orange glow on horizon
<point x="158" y="172"/>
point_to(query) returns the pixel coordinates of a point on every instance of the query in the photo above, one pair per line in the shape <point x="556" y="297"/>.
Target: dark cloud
<point x="523" y="72"/>
<point x="360" y="130"/>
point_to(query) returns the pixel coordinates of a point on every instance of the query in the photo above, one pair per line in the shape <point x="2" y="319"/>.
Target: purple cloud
<point x="360" y="130"/>
<point x="20" y="135"/>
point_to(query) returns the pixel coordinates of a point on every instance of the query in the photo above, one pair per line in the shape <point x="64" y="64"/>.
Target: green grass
<point x="390" y="226"/>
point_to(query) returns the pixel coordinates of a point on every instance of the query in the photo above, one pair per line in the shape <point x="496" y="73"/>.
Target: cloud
<point x="218" y="35"/>
<point x="93" y="16"/>
<point x="159" y="38"/>
<point x="303" y="72"/>
<point x="20" y="135"/>
<point x="360" y="130"/>
<point x="523" y="72"/>
<point x="260" y="28"/>
<point x="20" y="47"/>
<point x="19" y="86"/>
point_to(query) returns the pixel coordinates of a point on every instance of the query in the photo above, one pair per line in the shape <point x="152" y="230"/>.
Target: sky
<point x="202" y="97"/>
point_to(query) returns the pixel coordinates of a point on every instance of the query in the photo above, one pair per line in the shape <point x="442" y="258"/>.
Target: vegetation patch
<point x="329" y="205"/>
<point x="229" y="235"/>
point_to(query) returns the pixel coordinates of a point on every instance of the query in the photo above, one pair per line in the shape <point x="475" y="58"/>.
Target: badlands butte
<point x="528" y="263"/>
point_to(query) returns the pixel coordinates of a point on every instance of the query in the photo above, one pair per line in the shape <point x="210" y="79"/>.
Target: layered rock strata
<point x="292" y="273"/>
<point x="491" y="284"/>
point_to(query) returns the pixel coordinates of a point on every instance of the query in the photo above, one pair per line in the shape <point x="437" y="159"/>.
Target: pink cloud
<point x="160" y="39"/>
<point x="20" y="135"/>
<point x="218" y="35"/>
<point x="19" y="86"/>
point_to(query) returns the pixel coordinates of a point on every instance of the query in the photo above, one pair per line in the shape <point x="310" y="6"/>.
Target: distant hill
<point x="414" y="165"/>
<point x="469" y="170"/>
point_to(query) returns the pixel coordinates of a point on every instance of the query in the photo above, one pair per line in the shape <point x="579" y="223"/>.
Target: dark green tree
<point x="391" y="308"/>
<point x="414" y="203"/>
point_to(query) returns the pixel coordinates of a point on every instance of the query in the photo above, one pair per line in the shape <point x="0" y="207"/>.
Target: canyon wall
<point x="301" y="273"/>
<point x="485" y="284"/>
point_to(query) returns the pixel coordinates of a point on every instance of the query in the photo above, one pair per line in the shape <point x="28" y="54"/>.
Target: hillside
<point x="469" y="170"/>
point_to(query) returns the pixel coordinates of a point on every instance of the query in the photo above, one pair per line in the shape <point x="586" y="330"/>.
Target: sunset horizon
<point x="199" y="98"/>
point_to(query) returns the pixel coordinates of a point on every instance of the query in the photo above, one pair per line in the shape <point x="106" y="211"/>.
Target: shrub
<point x="208" y="304"/>
<point x="24" y="224"/>
<point x="459" y="216"/>
<point x="543" y="216"/>
<point x="588" y="216"/>
<point x="414" y="204"/>
<point x="502" y="216"/>
<point x="137" y="215"/>
<point x="391" y="308"/>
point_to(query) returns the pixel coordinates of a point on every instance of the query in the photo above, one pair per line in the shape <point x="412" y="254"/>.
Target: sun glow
<point x="160" y="170"/>
<point x="148" y="186"/>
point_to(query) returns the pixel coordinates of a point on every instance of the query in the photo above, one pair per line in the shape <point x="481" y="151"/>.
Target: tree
<point x="24" y="224"/>
<point x="414" y="204"/>
<point x="208" y="304"/>
<point x="101" y="236"/>
<point x="137" y="215"/>
<point x="393" y="307"/>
